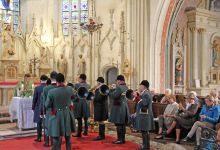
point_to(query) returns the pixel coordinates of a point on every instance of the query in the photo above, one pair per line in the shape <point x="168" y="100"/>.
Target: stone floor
<point x="10" y="130"/>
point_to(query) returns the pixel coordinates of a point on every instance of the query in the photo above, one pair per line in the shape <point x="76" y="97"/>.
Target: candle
<point x="22" y="87"/>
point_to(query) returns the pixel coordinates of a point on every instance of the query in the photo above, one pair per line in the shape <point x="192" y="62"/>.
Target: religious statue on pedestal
<point x="24" y="88"/>
<point x="178" y="68"/>
<point x="81" y="65"/>
<point x="126" y="68"/>
<point x="62" y="65"/>
<point x="44" y="57"/>
<point x="8" y="41"/>
<point x="216" y="52"/>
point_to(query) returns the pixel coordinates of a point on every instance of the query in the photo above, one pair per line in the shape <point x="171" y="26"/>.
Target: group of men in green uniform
<point x="58" y="105"/>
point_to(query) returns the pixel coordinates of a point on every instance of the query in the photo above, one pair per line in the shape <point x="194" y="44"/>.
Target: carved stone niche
<point x="44" y="70"/>
<point x="10" y="70"/>
<point x="215" y="75"/>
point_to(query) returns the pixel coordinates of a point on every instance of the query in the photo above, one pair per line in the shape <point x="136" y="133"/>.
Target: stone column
<point x="203" y="56"/>
<point x="5" y="96"/>
<point x="195" y="53"/>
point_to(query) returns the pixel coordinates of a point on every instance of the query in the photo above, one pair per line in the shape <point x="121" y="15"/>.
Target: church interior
<point x="173" y="44"/>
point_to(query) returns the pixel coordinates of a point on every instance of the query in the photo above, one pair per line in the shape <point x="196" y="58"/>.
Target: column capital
<point x="193" y="29"/>
<point x="200" y="30"/>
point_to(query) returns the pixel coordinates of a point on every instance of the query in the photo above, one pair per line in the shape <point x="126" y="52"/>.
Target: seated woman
<point x="209" y="116"/>
<point x="186" y="116"/>
<point x="215" y="94"/>
<point x="164" y="100"/>
<point x="167" y="118"/>
<point x="197" y="101"/>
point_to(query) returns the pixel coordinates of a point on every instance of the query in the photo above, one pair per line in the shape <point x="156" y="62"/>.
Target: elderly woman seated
<point x="164" y="100"/>
<point x="215" y="94"/>
<point x="186" y="116"/>
<point x="209" y="116"/>
<point x="197" y="101"/>
<point x="167" y="118"/>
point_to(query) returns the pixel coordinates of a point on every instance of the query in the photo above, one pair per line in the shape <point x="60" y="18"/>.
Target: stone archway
<point x="111" y="75"/>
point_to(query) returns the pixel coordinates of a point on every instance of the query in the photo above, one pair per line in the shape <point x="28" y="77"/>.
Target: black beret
<point x="60" y="78"/>
<point x="53" y="75"/>
<point x="82" y="76"/>
<point x="70" y="84"/>
<point x="100" y="79"/>
<point x="145" y="83"/>
<point x="43" y="78"/>
<point x="121" y="77"/>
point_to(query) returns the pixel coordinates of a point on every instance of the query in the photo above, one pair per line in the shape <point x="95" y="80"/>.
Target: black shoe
<point x="178" y="142"/>
<point x="159" y="137"/>
<point x="77" y="135"/>
<point x="141" y="148"/>
<point x="98" y="138"/>
<point x="118" y="142"/>
<point x="197" y="147"/>
<point x="37" y="140"/>
<point x="46" y="144"/>
<point x="186" y="139"/>
<point x="85" y="133"/>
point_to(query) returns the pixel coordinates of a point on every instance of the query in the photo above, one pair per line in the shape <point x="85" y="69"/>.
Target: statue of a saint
<point x="216" y="53"/>
<point x="126" y="68"/>
<point x="178" y="68"/>
<point x="8" y="41"/>
<point x="44" y="56"/>
<point x="62" y="65"/>
<point x="81" y="65"/>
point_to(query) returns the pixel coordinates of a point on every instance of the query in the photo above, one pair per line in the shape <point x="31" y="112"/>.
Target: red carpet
<point x="84" y="143"/>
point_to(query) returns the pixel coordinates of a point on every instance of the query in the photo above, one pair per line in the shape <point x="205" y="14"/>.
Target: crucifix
<point x="34" y="61"/>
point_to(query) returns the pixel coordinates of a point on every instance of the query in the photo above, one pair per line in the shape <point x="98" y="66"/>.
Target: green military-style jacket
<point x="119" y="111"/>
<point x="42" y="106"/>
<point x="61" y="120"/>
<point x="81" y="106"/>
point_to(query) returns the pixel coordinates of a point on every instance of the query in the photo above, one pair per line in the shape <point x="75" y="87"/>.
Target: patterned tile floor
<point x="10" y="130"/>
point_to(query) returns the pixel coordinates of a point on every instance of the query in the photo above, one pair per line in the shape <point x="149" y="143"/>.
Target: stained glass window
<point x="10" y="12"/>
<point x="74" y="12"/>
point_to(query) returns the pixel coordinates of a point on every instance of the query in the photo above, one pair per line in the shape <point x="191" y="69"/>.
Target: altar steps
<point x="5" y="117"/>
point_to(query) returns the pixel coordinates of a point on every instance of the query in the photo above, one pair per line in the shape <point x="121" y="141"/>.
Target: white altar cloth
<point x="21" y="109"/>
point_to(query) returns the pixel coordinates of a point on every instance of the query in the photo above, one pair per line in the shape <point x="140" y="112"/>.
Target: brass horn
<point x="104" y="89"/>
<point x="82" y="92"/>
<point x="90" y="96"/>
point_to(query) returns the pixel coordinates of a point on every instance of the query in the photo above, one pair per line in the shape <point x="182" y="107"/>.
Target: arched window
<point x="74" y="12"/>
<point x="9" y="12"/>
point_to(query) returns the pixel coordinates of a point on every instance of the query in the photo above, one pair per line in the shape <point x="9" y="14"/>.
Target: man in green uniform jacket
<point x="46" y="112"/>
<point x="61" y="120"/>
<point x="81" y="107"/>
<point x="119" y="114"/>
<point x="144" y="121"/>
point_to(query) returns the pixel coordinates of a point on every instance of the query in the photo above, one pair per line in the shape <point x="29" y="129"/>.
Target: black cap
<point x="53" y="75"/>
<point x="43" y="78"/>
<point x="70" y="84"/>
<point x="100" y="79"/>
<point x="121" y="77"/>
<point x="82" y="76"/>
<point x="60" y="78"/>
<point x="145" y="83"/>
